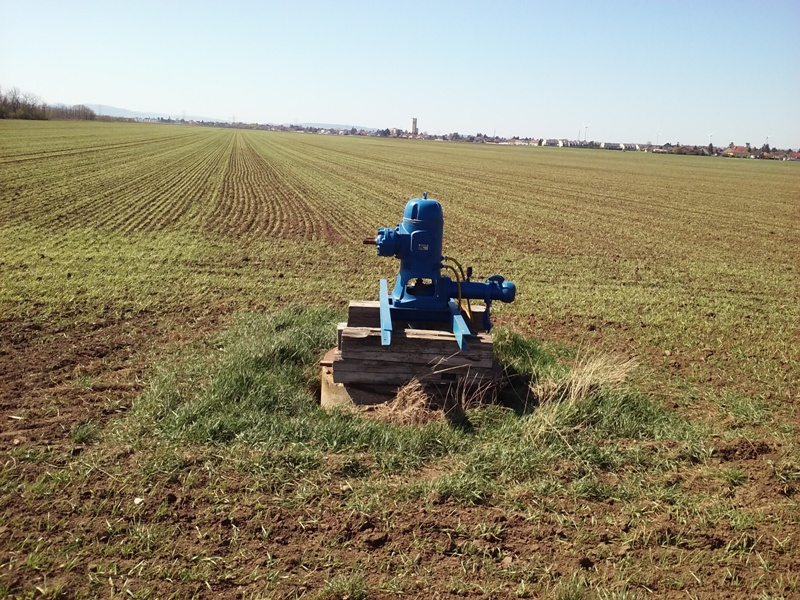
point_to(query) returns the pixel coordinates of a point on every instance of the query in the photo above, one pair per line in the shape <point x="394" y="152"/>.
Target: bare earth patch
<point x="84" y="520"/>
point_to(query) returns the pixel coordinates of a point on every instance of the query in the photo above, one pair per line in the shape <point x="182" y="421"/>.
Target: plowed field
<point x="123" y="246"/>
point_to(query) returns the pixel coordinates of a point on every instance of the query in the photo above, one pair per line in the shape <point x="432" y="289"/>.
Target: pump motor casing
<point x="421" y="293"/>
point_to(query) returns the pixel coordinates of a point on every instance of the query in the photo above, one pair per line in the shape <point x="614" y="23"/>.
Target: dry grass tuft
<point x="412" y="405"/>
<point x="585" y="378"/>
<point x="560" y="397"/>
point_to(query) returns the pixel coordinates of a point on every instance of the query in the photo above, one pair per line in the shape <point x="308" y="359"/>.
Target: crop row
<point x="109" y="190"/>
<point x="255" y="199"/>
<point x="263" y="184"/>
<point x="231" y="183"/>
<point x="688" y="246"/>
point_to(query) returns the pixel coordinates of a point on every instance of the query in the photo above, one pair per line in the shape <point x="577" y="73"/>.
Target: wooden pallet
<point x="432" y="356"/>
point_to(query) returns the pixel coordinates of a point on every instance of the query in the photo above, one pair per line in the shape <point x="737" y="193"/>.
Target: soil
<point x="219" y="534"/>
<point x="41" y="398"/>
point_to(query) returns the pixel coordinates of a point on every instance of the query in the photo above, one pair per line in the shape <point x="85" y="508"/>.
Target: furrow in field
<point x="347" y="205"/>
<point x="262" y="208"/>
<point x="224" y="209"/>
<point x="256" y="200"/>
<point x="318" y="219"/>
<point x="251" y="184"/>
<point x="103" y="208"/>
<point x="295" y="222"/>
<point x="166" y="206"/>
<point x="202" y="187"/>
<point x="531" y="205"/>
<point x="303" y="222"/>
<point x="345" y="179"/>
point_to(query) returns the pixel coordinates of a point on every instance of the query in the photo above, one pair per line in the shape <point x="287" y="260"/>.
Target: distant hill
<point x="113" y="111"/>
<point x="124" y="113"/>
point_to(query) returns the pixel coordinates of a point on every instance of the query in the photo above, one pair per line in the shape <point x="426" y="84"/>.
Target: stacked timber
<point x="431" y="356"/>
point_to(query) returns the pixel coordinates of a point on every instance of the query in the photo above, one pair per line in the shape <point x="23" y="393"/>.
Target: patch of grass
<point x="260" y="388"/>
<point x="744" y="409"/>
<point x="590" y="487"/>
<point x="471" y="485"/>
<point x="696" y="451"/>
<point x="624" y="594"/>
<point x="353" y="466"/>
<point x="261" y="377"/>
<point x="35" y="454"/>
<point x="84" y="432"/>
<point x="586" y="377"/>
<point x="345" y="586"/>
<point x="733" y="476"/>
<point x="524" y="356"/>
<point x="586" y="391"/>
<point x="572" y="588"/>
<point x="257" y="386"/>
<point x="788" y="475"/>
<point x="84" y="382"/>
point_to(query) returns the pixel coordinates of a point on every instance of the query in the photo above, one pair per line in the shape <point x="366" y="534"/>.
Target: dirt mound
<point x="743" y="449"/>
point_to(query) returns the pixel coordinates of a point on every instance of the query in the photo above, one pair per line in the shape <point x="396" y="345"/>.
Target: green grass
<point x="655" y="253"/>
<point x="215" y="243"/>
<point x="84" y="432"/>
<point x="257" y="385"/>
<point x="345" y="585"/>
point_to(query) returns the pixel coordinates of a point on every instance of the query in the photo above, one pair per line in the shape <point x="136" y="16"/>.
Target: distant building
<point x="414" y="126"/>
<point x="736" y="151"/>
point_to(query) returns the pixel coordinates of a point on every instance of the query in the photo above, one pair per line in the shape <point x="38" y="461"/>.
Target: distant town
<point x="15" y="104"/>
<point x="730" y="151"/>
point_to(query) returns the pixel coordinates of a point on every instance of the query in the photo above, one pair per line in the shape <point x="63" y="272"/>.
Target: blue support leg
<point x="460" y="328"/>
<point x="386" y="315"/>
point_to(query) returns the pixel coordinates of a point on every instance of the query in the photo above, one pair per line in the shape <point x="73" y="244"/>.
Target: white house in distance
<point x="564" y="143"/>
<point x="616" y="146"/>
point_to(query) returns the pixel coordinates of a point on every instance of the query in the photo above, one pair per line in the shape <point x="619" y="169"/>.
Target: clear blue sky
<point x="628" y="70"/>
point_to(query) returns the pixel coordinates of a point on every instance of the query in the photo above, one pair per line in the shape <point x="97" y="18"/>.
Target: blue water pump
<point x="422" y="296"/>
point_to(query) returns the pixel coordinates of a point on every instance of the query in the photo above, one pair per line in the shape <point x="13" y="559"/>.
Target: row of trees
<point x="15" y="104"/>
